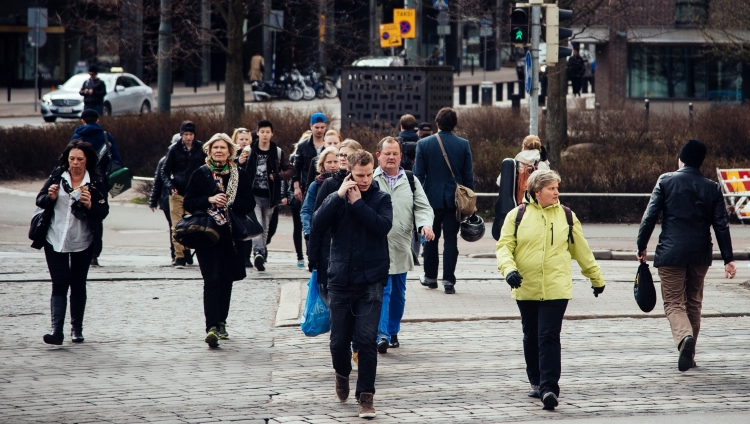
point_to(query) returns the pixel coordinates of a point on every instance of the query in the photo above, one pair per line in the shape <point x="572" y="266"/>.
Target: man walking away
<point x="359" y="216"/>
<point x="576" y="70"/>
<point x="690" y="204"/>
<point x="268" y="166"/>
<point x="183" y="158"/>
<point x="424" y="130"/>
<point x="257" y="63"/>
<point x="306" y="151"/>
<point x="410" y="209"/>
<point x="93" y="91"/>
<point x="408" y="138"/>
<point x="433" y="172"/>
<point x="106" y="150"/>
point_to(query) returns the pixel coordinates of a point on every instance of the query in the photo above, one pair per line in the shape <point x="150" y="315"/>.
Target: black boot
<point x="77" y="308"/>
<point x="58" y="305"/>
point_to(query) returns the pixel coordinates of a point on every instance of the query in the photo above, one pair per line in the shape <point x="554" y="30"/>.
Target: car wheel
<point x="106" y="110"/>
<point x="145" y="108"/>
<point x="50" y="118"/>
<point x="295" y="94"/>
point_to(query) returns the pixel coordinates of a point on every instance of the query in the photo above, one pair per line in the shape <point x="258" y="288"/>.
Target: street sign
<point x="443" y="18"/>
<point x="440" y="4"/>
<point x="407" y="22"/>
<point x="276" y="20"/>
<point x="485" y="30"/>
<point x="390" y="36"/>
<point x="37" y="17"/>
<point x="444" y="30"/>
<point x="37" y="37"/>
<point x="527" y="72"/>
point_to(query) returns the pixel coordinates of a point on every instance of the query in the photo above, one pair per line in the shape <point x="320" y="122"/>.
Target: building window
<point x="691" y="12"/>
<point x="682" y="72"/>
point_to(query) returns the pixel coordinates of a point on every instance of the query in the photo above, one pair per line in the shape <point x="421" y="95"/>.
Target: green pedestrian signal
<point x="519" y="21"/>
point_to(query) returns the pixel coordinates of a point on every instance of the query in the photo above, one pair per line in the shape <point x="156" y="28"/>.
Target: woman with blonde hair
<point x="532" y="155"/>
<point x="223" y="190"/>
<point x="242" y="137"/>
<point x="327" y="165"/>
<point x="332" y="139"/>
<point x="534" y="255"/>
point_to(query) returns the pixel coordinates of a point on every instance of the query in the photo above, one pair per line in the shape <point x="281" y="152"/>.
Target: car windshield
<point x="75" y="82"/>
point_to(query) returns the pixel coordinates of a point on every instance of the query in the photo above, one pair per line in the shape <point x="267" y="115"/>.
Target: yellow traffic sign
<point x="390" y="36"/>
<point x="407" y="22"/>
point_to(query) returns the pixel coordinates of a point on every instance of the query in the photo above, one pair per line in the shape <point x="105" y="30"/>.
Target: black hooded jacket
<point x="181" y="164"/>
<point x="690" y="205"/>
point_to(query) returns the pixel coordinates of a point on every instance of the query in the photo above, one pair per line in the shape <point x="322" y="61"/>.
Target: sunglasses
<point x="243" y="130"/>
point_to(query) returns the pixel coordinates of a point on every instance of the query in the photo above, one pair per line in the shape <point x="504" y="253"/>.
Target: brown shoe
<point x="366" y="408"/>
<point x="342" y="387"/>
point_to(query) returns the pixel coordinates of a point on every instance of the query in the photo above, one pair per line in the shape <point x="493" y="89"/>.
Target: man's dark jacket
<point x="94" y="135"/>
<point x="277" y="166"/>
<point x="97" y="97"/>
<point x="690" y="205"/>
<point x="359" y="238"/>
<point x="305" y="154"/>
<point x="408" y="139"/>
<point x="181" y="164"/>
<point x="159" y="194"/>
<point x="319" y="248"/>
<point x="434" y="174"/>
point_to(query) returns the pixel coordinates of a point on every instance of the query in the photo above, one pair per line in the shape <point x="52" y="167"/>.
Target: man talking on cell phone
<point x="359" y="216"/>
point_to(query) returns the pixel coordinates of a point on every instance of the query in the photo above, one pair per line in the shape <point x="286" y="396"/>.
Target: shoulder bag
<point x="244" y="227"/>
<point x="197" y="231"/>
<point x="466" y="200"/>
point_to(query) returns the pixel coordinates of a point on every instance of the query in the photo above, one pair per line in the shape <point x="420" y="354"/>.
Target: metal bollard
<point x="218" y="84"/>
<point x="499" y="92"/>
<point x="195" y="82"/>
<point x="462" y="94"/>
<point x="475" y="93"/>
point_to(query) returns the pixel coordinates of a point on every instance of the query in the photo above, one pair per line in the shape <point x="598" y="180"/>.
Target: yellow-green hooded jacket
<point x="541" y="253"/>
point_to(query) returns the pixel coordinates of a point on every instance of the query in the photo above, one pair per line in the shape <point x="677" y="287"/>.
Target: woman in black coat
<point x="219" y="187"/>
<point x="73" y="202"/>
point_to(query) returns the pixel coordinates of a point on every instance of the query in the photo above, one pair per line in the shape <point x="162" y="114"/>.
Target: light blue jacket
<point x="308" y="207"/>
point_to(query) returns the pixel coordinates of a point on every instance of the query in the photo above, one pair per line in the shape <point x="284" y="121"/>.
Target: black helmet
<point x="472" y="228"/>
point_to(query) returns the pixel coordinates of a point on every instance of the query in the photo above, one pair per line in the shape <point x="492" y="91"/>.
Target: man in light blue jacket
<point x="410" y="209"/>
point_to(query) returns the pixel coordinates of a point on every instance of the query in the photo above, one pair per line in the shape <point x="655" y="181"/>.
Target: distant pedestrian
<point x="75" y="198"/>
<point x="160" y="195"/>
<point x="307" y="150"/>
<point x="530" y="156"/>
<point x="424" y="130"/>
<point x="408" y="138"/>
<point x="267" y="165"/>
<point x="257" y="65"/>
<point x="93" y="91"/>
<point x="359" y="217"/>
<point x="576" y="71"/>
<point x="433" y="172"/>
<point x="534" y="249"/>
<point x="690" y="204"/>
<point x="183" y="158"/>
<point x="411" y="209"/>
<point x="220" y="187"/>
<point x="295" y="204"/>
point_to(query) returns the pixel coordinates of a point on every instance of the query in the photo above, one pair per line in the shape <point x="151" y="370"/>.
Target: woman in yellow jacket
<point x="535" y="260"/>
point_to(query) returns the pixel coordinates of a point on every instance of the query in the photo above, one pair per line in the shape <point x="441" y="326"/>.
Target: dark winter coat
<point x="225" y="260"/>
<point x="434" y="174"/>
<point x="94" y="216"/>
<point x="408" y="139"/>
<point x="277" y="166"/>
<point x="305" y="154"/>
<point x="690" y="205"/>
<point x="94" y="135"/>
<point x="359" y="238"/>
<point x="159" y="194"/>
<point x="181" y="164"/>
<point x="100" y="90"/>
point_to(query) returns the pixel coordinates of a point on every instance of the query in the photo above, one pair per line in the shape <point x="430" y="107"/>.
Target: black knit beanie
<point x="187" y="126"/>
<point x="693" y="153"/>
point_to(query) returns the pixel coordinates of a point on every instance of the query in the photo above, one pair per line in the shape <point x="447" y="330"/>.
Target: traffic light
<point x="519" y="26"/>
<point x="554" y="33"/>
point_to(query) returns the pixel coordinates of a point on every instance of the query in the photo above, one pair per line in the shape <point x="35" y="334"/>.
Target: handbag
<point x="316" y="318"/>
<point x="119" y="178"/>
<point x="197" y="231"/>
<point x="466" y="200"/>
<point x="244" y="227"/>
<point x="644" y="290"/>
<point x="39" y="225"/>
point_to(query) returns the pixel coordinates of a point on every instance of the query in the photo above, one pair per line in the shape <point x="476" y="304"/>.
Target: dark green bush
<point x="634" y="150"/>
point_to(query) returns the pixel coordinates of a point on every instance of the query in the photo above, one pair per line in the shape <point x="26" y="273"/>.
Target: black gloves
<point x="514" y="279"/>
<point x="597" y="290"/>
<point x="311" y="265"/>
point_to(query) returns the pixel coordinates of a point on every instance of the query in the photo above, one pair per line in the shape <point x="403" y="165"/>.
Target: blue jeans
<point x="355" y="314"/>
<point x="394" y="300"/>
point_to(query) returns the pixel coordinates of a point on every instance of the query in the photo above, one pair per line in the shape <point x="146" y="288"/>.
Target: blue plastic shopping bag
<point x="316" y="319"/>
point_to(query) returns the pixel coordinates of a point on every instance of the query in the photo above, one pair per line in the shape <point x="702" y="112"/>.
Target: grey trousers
<point x="263" y="211"/>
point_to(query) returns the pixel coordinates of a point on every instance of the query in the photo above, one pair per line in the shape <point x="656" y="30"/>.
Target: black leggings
<point x="297" y="234"/>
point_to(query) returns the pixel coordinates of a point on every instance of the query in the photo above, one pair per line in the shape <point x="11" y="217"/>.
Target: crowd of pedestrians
<point x="363" y="219"/>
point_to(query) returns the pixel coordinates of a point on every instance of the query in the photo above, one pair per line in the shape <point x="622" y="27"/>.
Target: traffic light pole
<point x="536" y="17"/>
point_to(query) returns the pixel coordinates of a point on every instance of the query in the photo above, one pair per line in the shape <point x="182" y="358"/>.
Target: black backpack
<point x="408" y="154"/>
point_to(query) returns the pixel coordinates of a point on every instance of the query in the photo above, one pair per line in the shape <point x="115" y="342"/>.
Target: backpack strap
<point x="519" y="217"/>
<point x="410" y="177"/>
<point x="569" y="217"/>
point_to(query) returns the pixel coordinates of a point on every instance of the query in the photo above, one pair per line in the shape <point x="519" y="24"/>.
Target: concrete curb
<point x="290" y="299"/>
<point x="619" y="255"/>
